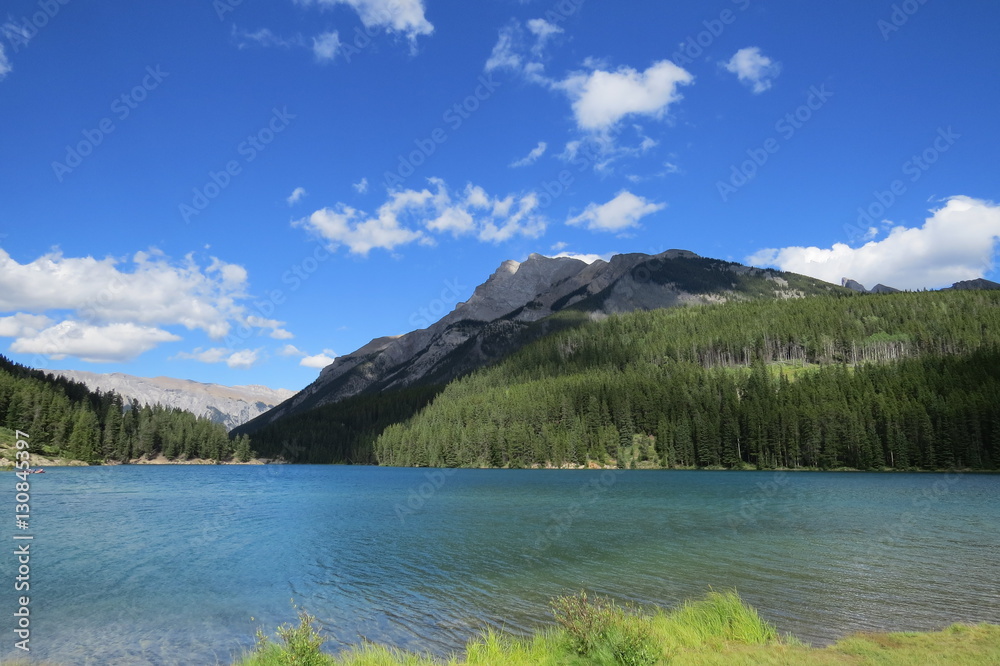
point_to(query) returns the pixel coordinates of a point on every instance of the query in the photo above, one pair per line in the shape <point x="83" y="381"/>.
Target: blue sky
<point x="237" y="191"/>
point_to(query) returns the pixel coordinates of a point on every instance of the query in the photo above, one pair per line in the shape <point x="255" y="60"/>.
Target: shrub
<point x="601" y="629"/>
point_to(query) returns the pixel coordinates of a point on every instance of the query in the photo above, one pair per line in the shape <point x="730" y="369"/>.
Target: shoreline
<point x="39" y="460"/>
<point x="719" y="628"/>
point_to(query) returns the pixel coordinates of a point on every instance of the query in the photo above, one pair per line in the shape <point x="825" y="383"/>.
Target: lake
<point x="168" y="564"/>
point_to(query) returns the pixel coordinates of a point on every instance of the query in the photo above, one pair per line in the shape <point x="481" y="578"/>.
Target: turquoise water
<point x="167" y="564"/>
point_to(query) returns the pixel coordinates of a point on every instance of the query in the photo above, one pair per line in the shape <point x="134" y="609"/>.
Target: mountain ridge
<point x="513" y="306"/>
<point x="231" y="406"/>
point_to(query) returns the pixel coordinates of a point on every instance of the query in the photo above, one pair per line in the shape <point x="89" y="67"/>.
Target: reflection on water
<point x="166" y="565"/>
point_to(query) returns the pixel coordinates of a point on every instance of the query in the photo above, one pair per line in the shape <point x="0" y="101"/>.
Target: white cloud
<point x="559" y="246"/>
<point x="212" y="355"/>
<point x="319" y="360"/>
<point x="155" y="292"/>
<point x="957" y="242"/>
<point x="244" y="359"/>
<point x="517" y="52"/>
<point x="586" y="258"/>
<point x="753" y="68"/>
<point x="96" y="344"/>
<point x="361" y="187"/>
<point x="414" y="215"/>
<point x="265" y="38"/>
<point x="296" y="195"/>
<point x="343" y="225"/>
<point x="622" y="212"/>
<point x="65" y="304"/>
<point x="326" y="46"/>
<point x="5" y="66"/>
<point x="600" y="98"/>
<point x="405" y="17"/>
<point x="276" y="332"/>
<point x="22" y="324"/>
<point x="531" y="157"/>
<point x="291" y="350"/>
<point x="543" y="31"/>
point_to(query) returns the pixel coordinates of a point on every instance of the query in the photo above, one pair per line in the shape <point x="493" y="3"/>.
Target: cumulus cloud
<point x="531" y="157"/>
<point x="296" y="195"/>
<point x="244" y="359"/>
<point x="291" y="350"/>
<point x="22" y="324"/>
<point x="622" y="212"/>
<point x="753" y="68"/>
<point x="326" y="46"/>
<point x="105" y="309"/>
<point x="319" y="360"/>
<point x="404" y="17"/>
<point x="601" y="98"/>
<point x="957" y="242"/>
<point x="416" y="215"/>
<point x="361" y="187"/>
<point x="97" y="344"/>
<point x="155" y="292"/>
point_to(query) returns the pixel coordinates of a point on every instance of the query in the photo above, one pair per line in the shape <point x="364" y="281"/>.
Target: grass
<point x="719" y="629"/>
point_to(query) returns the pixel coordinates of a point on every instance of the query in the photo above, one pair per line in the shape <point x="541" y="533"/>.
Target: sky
<point x="238" y="191"/>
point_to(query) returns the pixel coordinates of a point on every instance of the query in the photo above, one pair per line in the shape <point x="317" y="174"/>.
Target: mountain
<point x="880" y="288"/>
<point x="966" y="285"/>
<point x="972" y="285"/>
<point x="862" y="381"/>
<point x="229" y="405"/>
<point x="515" y="306"/>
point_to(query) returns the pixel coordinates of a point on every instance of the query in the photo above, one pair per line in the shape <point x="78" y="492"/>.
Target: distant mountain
<point x="978" y="283"/>
<point x="967" y="285"/>
<point x="515" y="306"/>
<point x="229" y="405"/>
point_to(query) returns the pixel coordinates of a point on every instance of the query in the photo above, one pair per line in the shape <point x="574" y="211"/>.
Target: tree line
<point x="66" y="419"/>
<point x="900" y="381"/>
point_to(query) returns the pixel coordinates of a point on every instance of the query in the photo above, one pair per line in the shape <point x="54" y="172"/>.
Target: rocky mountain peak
<point x="229" y="405"/>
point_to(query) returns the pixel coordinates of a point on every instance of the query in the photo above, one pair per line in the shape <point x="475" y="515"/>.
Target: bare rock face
<point x="972" y="285"/>
<point x="853" y="285"/>
<point x="231" y="406"/>
<point x="510" y="308"/>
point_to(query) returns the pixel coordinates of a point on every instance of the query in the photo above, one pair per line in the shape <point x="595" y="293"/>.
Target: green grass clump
<point x="607" y="633"/>
<point x="591" y="631"/>
<point x="300" y="645"/>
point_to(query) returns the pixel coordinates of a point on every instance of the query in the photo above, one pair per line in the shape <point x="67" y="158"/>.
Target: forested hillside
<point x="909" y="380"/>
<point x="64" y="418"/>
